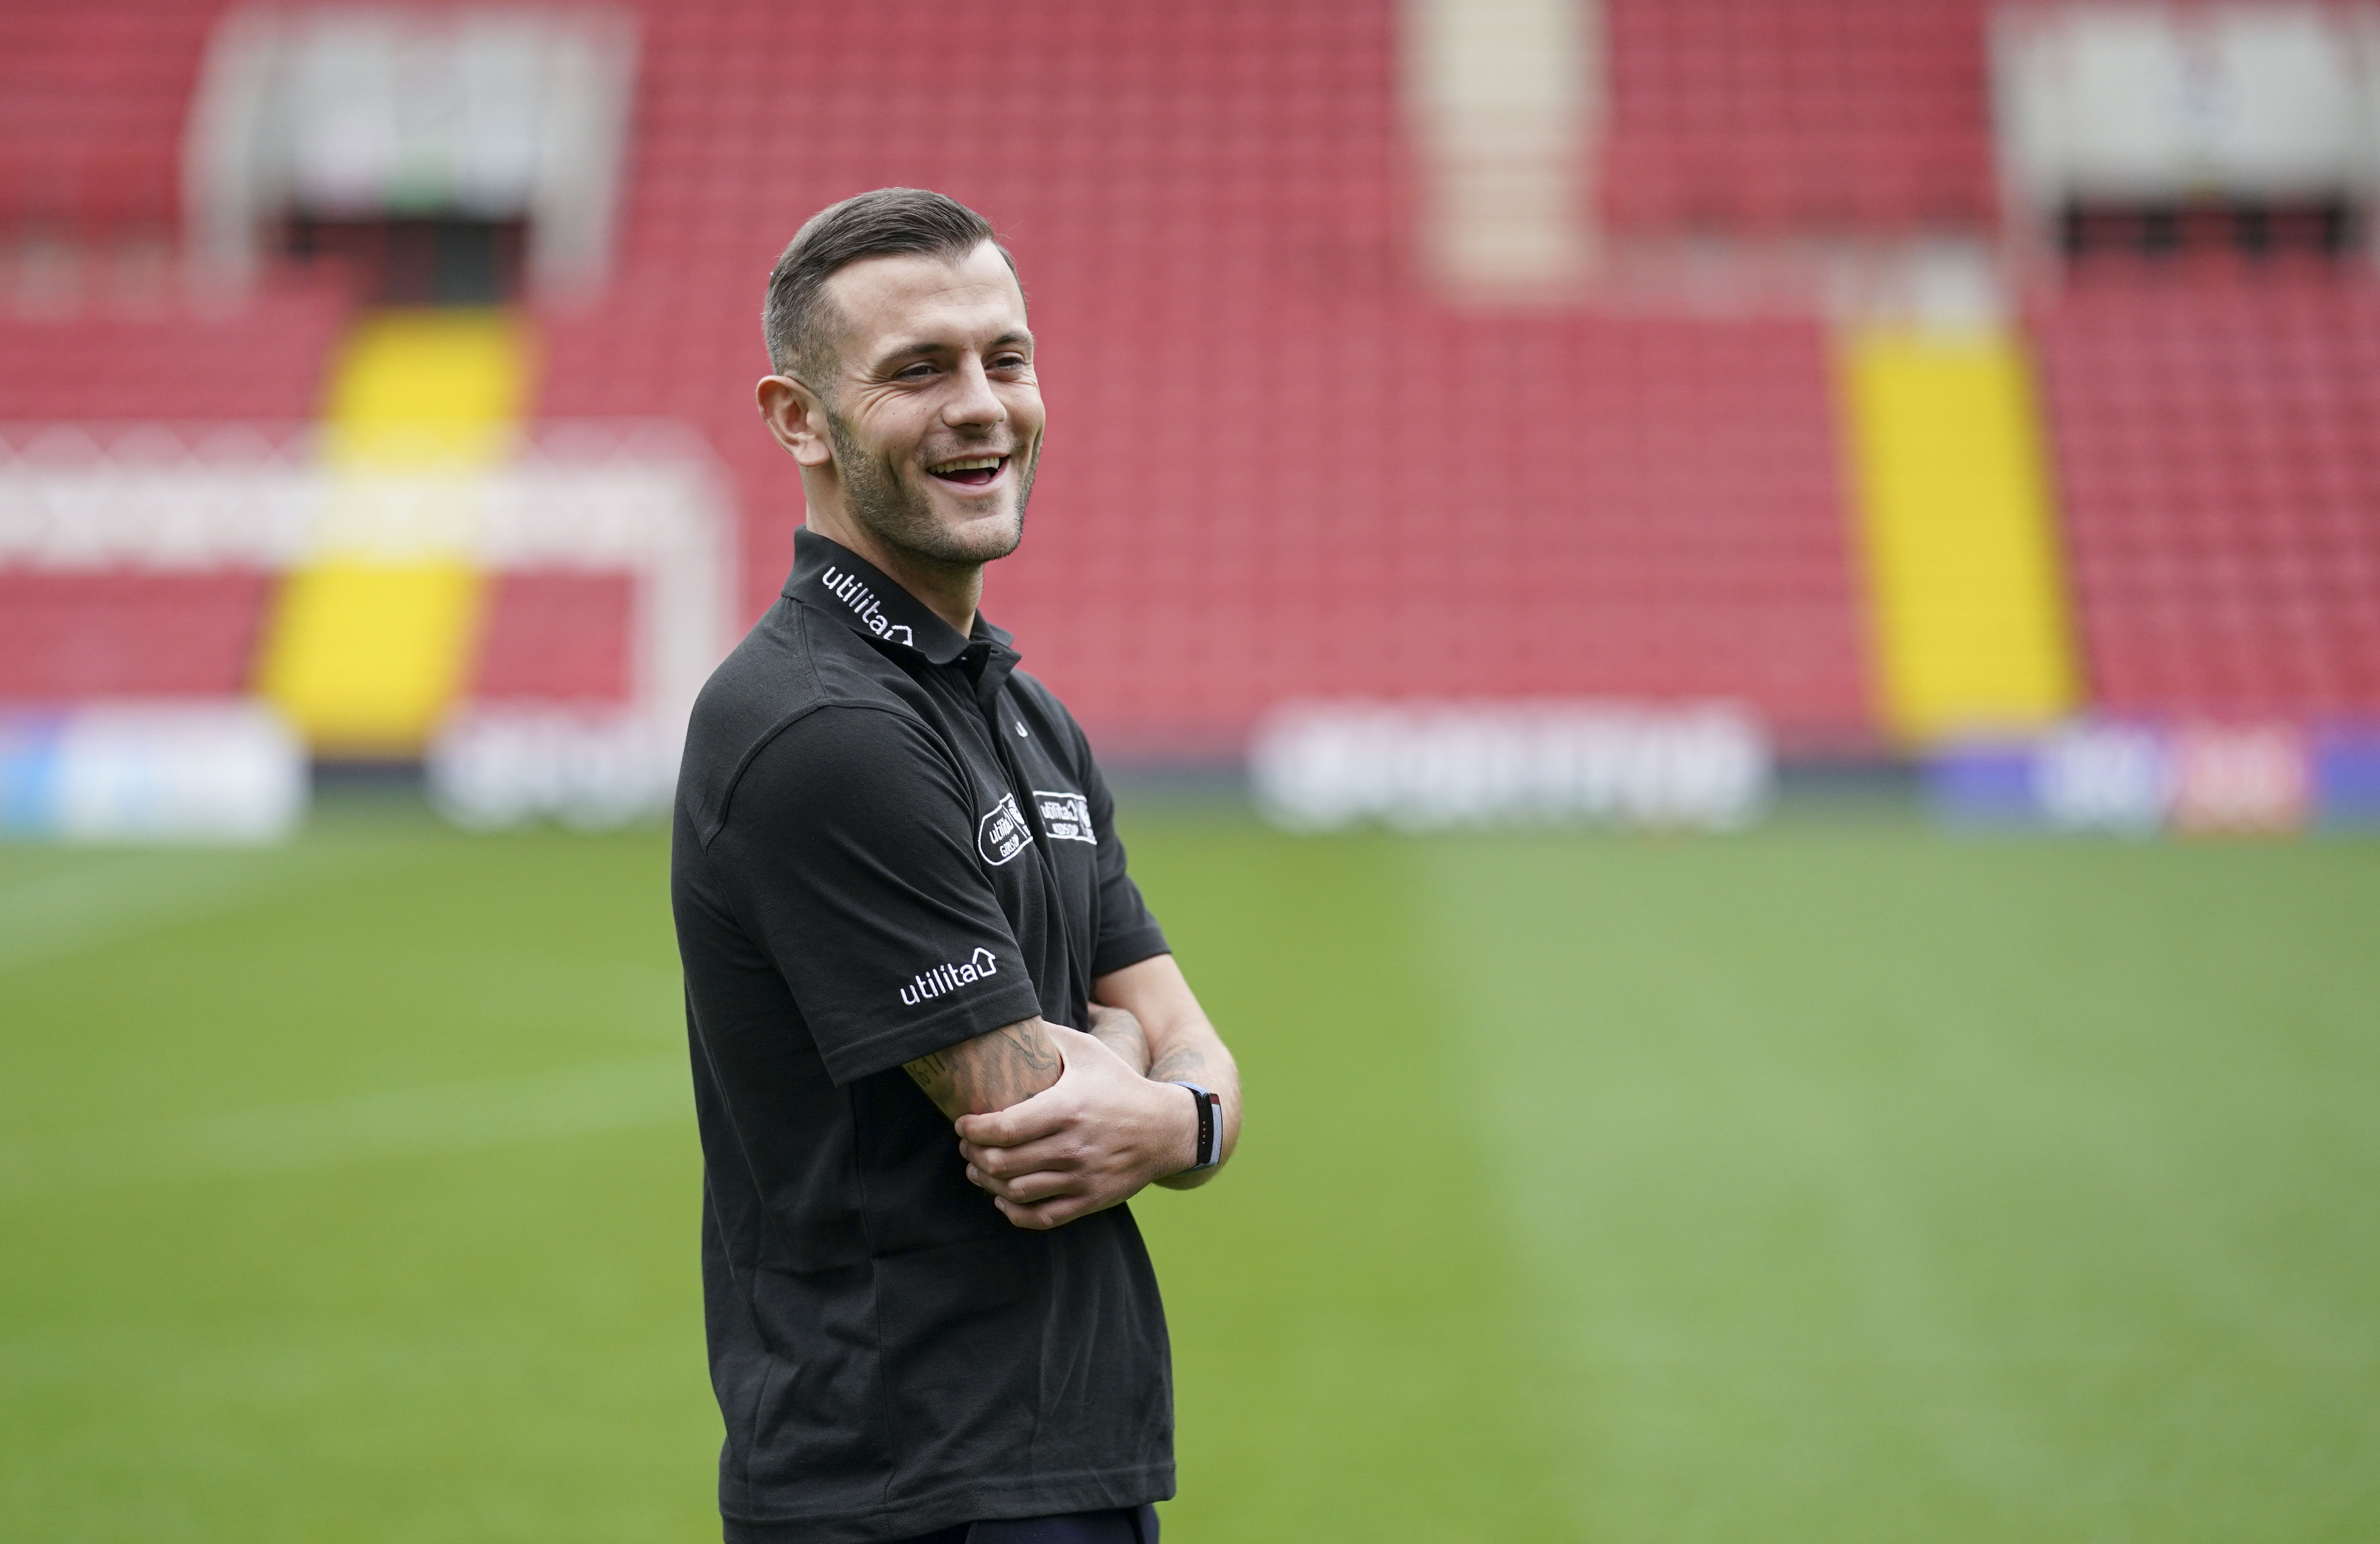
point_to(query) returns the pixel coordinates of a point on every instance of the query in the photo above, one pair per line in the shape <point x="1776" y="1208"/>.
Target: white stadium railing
<point x="645" y="498"/>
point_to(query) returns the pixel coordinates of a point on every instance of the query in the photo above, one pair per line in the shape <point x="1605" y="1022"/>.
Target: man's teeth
<point x="967" y="463"/>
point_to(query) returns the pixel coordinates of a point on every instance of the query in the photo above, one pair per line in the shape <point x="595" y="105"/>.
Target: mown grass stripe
<point x="396" y="1123"/>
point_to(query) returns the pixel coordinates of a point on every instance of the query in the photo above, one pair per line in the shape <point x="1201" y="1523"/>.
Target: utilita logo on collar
<point x="949" y="978"/>
<point x="847" y="588"/>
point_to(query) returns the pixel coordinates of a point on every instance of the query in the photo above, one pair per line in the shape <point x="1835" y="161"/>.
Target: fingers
<point x="1029" y="1121"/>
<point x="1044" y="1186"/>
<point x="1054" y="1152"/>
<point x="1079" y="1146"/>
<point x="1044" y="1115"/>
<point x="1040" y="1171"/>
<point x="1052" y="1214"/>
<point x="1037" y="1168"/>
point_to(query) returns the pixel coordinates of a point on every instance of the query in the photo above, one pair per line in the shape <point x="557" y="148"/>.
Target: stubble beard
<point x="888" y="506"/>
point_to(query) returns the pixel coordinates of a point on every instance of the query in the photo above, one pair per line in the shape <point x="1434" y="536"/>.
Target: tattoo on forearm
<point x="990" y="1072"/>
<point x="1182" y="1061"/>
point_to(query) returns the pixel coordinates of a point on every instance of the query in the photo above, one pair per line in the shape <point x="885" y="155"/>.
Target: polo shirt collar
<point x="833" y="578"/>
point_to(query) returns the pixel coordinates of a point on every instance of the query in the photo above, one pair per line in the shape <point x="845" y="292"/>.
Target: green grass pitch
<point x="1835" y="1182"/>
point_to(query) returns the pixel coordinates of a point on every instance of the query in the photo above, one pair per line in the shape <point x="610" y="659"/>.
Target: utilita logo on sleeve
<point x="847" y="588"/>
<point x="949" y="978"/>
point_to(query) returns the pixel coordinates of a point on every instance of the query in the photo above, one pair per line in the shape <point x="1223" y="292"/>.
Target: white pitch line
<point x="602" y="1096"/>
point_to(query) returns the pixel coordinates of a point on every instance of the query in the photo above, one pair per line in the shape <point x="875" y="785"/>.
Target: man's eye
<point x="1009" y="362"/>
<point x="915" y="372"/>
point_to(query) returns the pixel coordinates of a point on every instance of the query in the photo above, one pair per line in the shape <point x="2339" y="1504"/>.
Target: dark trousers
<point x="1131" y="1525"/>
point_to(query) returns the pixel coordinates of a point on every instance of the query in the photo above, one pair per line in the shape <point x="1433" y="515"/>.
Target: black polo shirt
<point x="889" y="840"/>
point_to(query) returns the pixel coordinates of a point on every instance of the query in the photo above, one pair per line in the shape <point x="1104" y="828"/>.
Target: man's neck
<point x="952" y="591"/>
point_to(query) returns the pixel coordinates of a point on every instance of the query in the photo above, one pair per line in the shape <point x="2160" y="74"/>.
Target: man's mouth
<point x="969" y="471"/>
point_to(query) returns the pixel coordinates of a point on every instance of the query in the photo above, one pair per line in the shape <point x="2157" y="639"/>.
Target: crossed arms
<point x="1057" y="1123"/>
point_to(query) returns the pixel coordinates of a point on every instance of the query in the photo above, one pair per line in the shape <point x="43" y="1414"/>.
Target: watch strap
<point x="1210" y="1125"/>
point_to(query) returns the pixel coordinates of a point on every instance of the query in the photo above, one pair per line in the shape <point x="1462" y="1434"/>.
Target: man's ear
<point x="796" y="417"/>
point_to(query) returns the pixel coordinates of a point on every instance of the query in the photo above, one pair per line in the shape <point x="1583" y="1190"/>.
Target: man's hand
<point x="1094" y="1137"/>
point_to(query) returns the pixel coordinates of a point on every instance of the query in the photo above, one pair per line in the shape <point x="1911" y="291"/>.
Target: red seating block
<point x="92" y="97"/>
<point x="556" y="637"/>
<point x="65" y="637"/>
<point x="1279" y="464"/>
<point x="2219" y="487"/>
<point x="263" y="359"/>
<point x="1785" y="114"/>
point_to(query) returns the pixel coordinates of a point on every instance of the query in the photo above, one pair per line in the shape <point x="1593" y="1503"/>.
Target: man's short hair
<point x="798" y="320"/>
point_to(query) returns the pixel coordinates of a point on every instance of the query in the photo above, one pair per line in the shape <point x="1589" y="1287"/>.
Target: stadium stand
<point x="1284" y="465"/>
<point x="178" y="358"/>
<point x="67" y="637"/>
<point x="1280" y="466"/>
<point x="555" y="637"/>
<point x="2214" y="426"/>
<point x="92" y="100"/>
<point x="1769" y="116"/>
<point x="67" y="634"/>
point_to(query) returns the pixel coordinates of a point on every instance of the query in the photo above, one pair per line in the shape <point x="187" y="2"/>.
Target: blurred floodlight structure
<point x="1319" y="767"/>
<point x="2138" y="106"/>
<point x="348" y="111"/>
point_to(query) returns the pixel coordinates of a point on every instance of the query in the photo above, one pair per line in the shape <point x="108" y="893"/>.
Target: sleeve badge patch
<point x="1065" y="816"/>
<point x="1002" y="834"/>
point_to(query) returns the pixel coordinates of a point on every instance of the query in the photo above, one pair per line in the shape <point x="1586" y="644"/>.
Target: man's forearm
<point x="1117" y="1029"/>
<point x="1183" y="1063"/>
<point x="990" y="1072"/>
<point x="1183" y="1046"/>
<point x="1195" y="1054"/>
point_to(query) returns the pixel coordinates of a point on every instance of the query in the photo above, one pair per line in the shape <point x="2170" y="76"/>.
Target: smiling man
<point x="938" y="1039"/>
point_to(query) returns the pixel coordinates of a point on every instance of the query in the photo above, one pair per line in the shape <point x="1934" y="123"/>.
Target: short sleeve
<point x="848" y="849"/>
<point x="1128" y="934"/>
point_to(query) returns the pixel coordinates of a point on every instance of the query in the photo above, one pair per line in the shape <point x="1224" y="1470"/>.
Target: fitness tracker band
<point x="1210" y="1127"/>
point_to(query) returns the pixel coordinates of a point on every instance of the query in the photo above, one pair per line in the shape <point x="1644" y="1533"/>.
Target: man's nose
<point x="974" y="404"/>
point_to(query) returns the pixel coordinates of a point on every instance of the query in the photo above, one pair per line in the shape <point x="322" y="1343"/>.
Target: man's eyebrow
<point x="924" y="346"/>
<point x="910" y="350"/>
